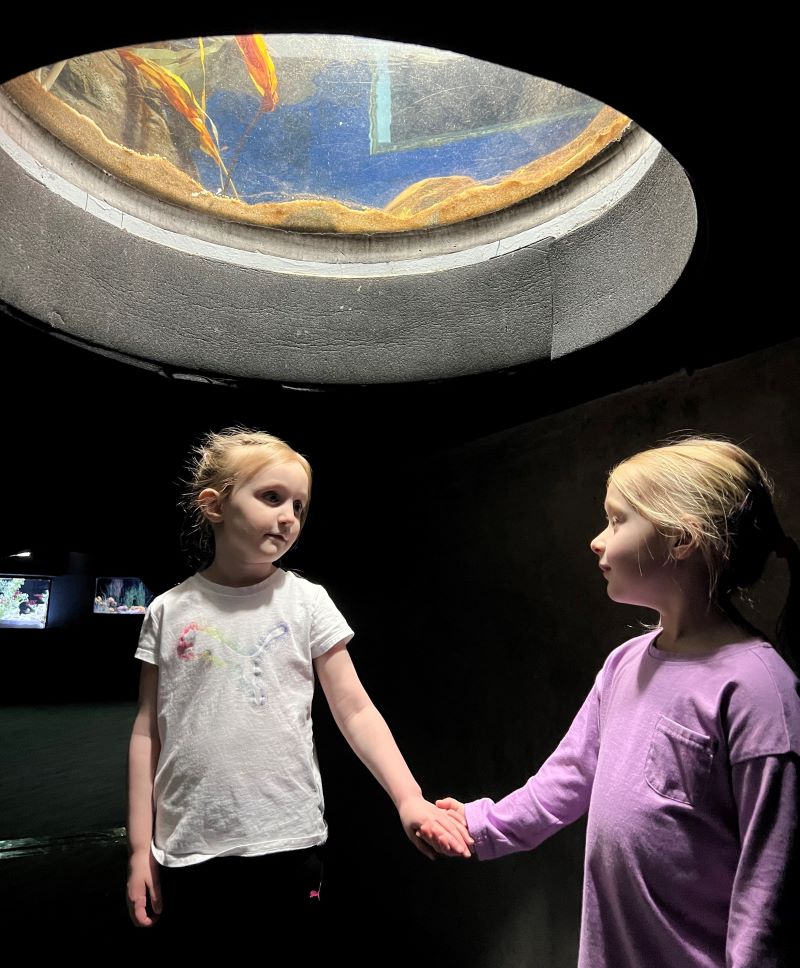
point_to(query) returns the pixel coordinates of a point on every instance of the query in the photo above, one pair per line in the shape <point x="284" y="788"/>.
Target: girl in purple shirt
<point x="686" y="752"/>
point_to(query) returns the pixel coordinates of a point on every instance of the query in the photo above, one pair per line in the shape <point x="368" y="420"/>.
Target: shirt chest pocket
<point x="679" y="762"/>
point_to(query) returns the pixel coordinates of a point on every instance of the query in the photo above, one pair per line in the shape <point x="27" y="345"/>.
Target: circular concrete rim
<point x="473" y="304"/>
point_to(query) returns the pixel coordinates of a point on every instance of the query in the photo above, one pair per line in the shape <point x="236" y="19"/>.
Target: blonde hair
<point x="712" y="493"/>
<point x="221" y="461"/>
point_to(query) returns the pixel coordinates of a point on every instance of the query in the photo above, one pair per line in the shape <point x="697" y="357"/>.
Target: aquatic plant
<point x="11" y="597"/>
<point x="135" y="594"/>
<point x="260" y="68"/>
<point x="202" y="49"/>
<point x="179" y="95"/>
<point x="112" y="588"/>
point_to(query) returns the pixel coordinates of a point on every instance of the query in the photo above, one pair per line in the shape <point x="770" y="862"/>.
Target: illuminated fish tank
<point x="121" y="596"/>
<point x="23" y="601"/>
<point x="319" y="133"/>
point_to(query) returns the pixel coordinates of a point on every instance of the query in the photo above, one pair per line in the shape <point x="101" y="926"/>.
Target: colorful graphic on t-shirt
<point x="188" y="639"/>
<point x="192" y="644"/>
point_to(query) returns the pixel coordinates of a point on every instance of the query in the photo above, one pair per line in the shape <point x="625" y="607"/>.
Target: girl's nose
<point x="596" y="544"/>
<point x="287" y="513"/>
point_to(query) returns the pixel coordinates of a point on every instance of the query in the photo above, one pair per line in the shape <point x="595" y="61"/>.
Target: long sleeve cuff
<point x="517" y="822"/>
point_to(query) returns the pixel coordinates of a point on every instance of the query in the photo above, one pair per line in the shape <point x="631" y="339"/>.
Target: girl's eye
<point x="272" y="497"/>
<point x="298" y="508"/>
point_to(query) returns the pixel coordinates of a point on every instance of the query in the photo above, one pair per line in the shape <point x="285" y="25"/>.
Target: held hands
<point x="143" y="883"/>
<point x="427" y="826"/>
<point x="454" y="811"/>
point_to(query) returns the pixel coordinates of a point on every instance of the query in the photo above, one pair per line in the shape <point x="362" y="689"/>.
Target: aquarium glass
<point x="24" y="601"/>
<point x="121" y="596"/>
<point x="319" y="133"/>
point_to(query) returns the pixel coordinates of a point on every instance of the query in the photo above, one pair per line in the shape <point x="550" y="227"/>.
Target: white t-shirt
<point x="238" y="771"/>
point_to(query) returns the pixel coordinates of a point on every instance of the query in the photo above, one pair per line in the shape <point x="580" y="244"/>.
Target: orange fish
<point x="260" y="68"/>
<point x="179" y="96"/>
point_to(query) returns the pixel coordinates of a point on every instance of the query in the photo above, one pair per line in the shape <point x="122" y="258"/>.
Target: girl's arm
<point x="144" y="750"/>
<point x="767" y="793"/>
<point x="371" y="740"/>
<point x="556" y="796"/>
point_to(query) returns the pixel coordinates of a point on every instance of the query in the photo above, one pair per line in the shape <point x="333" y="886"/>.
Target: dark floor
<point x="62" y="809"/>
<point x="62" y="768"/>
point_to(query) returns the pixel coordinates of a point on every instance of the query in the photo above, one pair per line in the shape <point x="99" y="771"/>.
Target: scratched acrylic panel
<point x="319" y="133"/>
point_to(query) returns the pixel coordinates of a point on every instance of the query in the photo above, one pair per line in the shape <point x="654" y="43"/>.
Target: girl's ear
<point x="685" y="542"/>
<point x="210" y="503"/>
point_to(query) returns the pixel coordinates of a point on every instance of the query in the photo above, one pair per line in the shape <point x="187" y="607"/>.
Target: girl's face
<point x="633" y="556"/>
<point x="259" y="521"/>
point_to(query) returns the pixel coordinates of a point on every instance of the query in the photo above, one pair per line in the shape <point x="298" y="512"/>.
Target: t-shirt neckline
<point x="237" y="591"/>
<point x="662" y="655"/>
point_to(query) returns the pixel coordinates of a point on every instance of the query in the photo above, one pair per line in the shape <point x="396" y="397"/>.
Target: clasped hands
<point x="439" y="829"/>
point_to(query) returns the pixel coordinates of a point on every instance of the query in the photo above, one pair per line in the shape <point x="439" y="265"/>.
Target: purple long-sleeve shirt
<point x="688" y="768"/>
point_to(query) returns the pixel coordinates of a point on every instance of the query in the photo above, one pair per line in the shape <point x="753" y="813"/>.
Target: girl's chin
<point x="622" y="599"/>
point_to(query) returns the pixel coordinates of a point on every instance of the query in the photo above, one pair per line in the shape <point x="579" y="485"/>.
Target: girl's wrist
<point x="138" y="851"/>
<point x="414" y="794"/>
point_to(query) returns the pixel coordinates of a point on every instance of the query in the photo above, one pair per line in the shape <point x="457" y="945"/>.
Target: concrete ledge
<point x="102" y="264"/>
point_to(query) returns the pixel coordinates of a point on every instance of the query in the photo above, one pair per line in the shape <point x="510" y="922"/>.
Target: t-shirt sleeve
<point x="556" y="796"/>
<point x="762" y="914"/>
<point x="764" y="709"/>
<point x="328" y="625"/>
<point x="147" y="648"/>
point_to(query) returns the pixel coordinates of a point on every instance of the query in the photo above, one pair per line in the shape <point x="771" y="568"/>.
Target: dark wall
<point x="482" y="633"/>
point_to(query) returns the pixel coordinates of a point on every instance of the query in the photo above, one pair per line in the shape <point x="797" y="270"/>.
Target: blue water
<point x="323" y="146"/>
